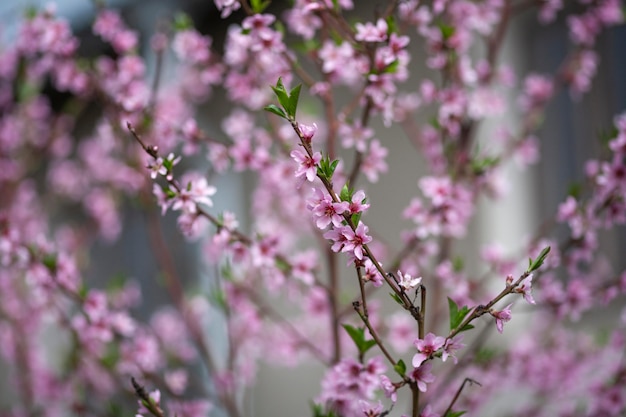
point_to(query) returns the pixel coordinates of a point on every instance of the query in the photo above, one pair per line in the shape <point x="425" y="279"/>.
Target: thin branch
<point x="458" y="393"/>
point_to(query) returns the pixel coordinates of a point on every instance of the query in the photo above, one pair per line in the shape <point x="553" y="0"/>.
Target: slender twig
<point x="147" y="402"/>
<point x="458" y="393"/>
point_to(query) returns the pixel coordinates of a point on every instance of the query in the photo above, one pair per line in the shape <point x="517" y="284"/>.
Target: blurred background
<point x="568" y="138"/>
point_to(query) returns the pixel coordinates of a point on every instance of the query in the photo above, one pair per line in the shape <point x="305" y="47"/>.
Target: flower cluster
<point x="85" y="139"/>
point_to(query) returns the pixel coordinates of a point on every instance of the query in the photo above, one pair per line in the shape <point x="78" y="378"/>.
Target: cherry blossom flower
<point x="525" y="288"/>
<point x="407" y="282"/>
<point x="426" y="347"/>
<point x="369" y="32"/>
<point x="326" y="211"/>
<point x="355" y="239"/>
<point x="451" y="346"/>
<point x="423" y="376"/>
<point x="388" y="388"/>
<point x="371" y="273"/>
<point x="307" y="166"/>
<point x="502" y="317"/>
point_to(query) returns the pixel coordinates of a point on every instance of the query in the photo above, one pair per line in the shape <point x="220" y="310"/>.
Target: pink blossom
<point x="371" y="273"/>
<point x="226" y="7"/>
<point x="196" y="191"/>
<point x="189" y="45"/>
<point x="402" y="331"/>
<point x="355" y="239"/>
<point x="307" y="131"/>
<point x="369" y="32"/>
<point x="502" y="317"/>
<point x="423" y="376"/>
<point x="426" y="347"/>
<point x="327" y="211"/>
<point x="525" y="288"/>
<point x="307" y="168"/>
<point x="374" y="161"/>
<point x="451" y="346"/>
<point x="357" y="203"/>
<point x="388" y="388"/>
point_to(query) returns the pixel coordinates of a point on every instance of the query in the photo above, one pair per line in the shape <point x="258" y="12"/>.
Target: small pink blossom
<point x="307" y="131"/>
<point x="371" y="273"/>
<point x="450" y="348"/>
<point x="369" y="32"/>
<point x="388" y="388"/>
<point x="423" y="376"/>
<point x="307" y="168"/>
<point x="357" y="203"/>
<point x="525" y="288"/>
<point x="502" y="317"/>
<point x="426" y="347"/>
<point x="355" y="239"/>
<point x="327" y="211"/>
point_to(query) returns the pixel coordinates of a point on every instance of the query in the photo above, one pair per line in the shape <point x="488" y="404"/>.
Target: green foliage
<point x="50" y="261"/>
<point x="288" y="100"/>
<point x="400" y="368"/>
<point x="485" y="355"/>
<point x="358" y="337"/>
<point x="258" y="6"/>
<point x="392" y="27"/>
<point x="396" y="298"/>
<point x="446" y="30"/>
<point x="455" y="413"/>
<point x="318" y="411"/>
<point x="482" y="165"/>
<point x="346" y="193"/>
<point x="111" y="356"/>
<point x="533" y="265"/>
<point x="182" y="21"/>
<point x="457" y="315"/>
<point x="272" y="108"/>
<point x="575" y="190"/>
<point x="326" y="168"/>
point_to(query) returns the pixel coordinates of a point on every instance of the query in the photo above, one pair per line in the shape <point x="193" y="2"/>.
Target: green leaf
<point x="446" y="30"/>
<point x="50" y="261"/>
<point x="400" y="367"/>
<point x="182" y="21"/>
<point x="345" y="194"/>
<point x="484" y="356"/>
<point x="282" y="264"/>
<point x="358" y="336"/>
<point x="333" y="165"/>
<point x="356" y="217"/>
<point x="368" y="345"/>
<point x="318" y="411"/>
<point x="258" y="6"/>
<point x="396" y="298"/>
<point x="392" y="68"/>
<point x="455" y="413"/>
<point x="272" y="108"/>
<point x="281" y="94"/>
<point x="391" y="25"/>
<point x="111" y="356"/>
<point x="575" y="190"/>
<point x="536" y="264"/>
<point x="294" y="96"/>
<point x="457" y="315"/>
<point x="457" y="264"/>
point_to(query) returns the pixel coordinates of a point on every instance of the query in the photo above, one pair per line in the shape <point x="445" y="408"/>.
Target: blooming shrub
<point x="385" y="345"/>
